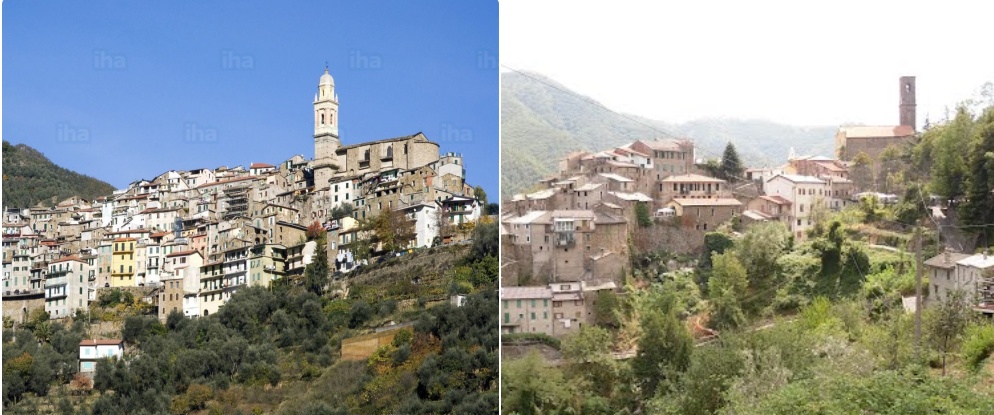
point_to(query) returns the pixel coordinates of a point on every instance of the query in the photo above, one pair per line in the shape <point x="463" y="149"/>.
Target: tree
<point x="391" y="230"/>
<point x="360" y="313"/>
<point x="978" y="210"/>
<point x="664" y="350"/>
<point x="606" y="308"/>
<point x="712" y="167"/>
<point x="758" y="251"/>
<point x="950" y="171"/>
<point x="731" y="166"/>
<point x="588" y="352"/>
<point x="890" y="167"/>
<point x="701" y="391"/>
<point x="315" y="231"/>
<point x="442" y="224"/>
<point x="316" y="273"/>
<point x="727" y="286"/>
<point x="861" y="172"/>
<point x="642" y="214"/>
<point x="528" y="387"/>
<point x="945" y="323"/>
<point x="485" y="242"/>
<point x="342" y="210"/>
<point x="480" y="194"/>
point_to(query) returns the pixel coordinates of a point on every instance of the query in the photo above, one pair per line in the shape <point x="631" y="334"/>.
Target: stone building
<point x="873" y="140"/>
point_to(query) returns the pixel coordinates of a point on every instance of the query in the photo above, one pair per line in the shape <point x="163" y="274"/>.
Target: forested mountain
<point x="29" y="177"/>
<point x="542" y="120"/>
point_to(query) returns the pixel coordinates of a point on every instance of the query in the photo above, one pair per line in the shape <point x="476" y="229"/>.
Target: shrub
<point x="978" y="346"/>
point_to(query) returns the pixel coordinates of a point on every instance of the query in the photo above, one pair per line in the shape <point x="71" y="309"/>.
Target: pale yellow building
<point x="122" y="268"/>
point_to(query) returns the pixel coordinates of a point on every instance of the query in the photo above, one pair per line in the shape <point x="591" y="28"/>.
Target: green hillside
<point x="29" y="177"/>
<point x="542" y="120"/>
<point x="279" y="350"/>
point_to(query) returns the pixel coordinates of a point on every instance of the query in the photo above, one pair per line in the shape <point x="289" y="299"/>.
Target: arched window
<point x="405" y="148"/>
<point x="366" y="155"/>
<point x="322" y="118"/>
<point x="389" y="152"/>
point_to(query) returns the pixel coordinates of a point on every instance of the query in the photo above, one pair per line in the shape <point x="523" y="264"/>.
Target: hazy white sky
<point x="823" y="63"/>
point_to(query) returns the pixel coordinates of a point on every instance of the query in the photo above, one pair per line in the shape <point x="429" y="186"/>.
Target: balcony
<point x="56" y="296"/>
<point x="56" y="281"/>
<point x="565" y="240"/>
<point x="23" y="293"/>
<point x="212" y="288"/>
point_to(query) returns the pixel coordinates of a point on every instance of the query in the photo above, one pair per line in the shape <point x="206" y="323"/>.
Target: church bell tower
<point x="326" y="140"/>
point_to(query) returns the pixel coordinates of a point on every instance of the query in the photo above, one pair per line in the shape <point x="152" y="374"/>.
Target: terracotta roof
<point x="141" y="196"/>
<point x="616" y="177"/>
<point x="183" y="253"/>
<point x="67" y="258"/>
<point x="521" y="293"/>
<point x="260" y="166"/>
<point x="776" y="199"/>
<point x="692" y="178"/>
<point x="129" y="231"/>
<point x="633" y="151"/>
<point x="101" y="342"/>
<point x="386" y="140"/>
<point x="605" y="219"/>
<point x="124" y="239"/>
<point x="237" y="179"/>
<point x="663" y="144"/>
<point x="878" y="131"/>
<point x="939" y="261"/>
<point x="573" y="214"/>
<point x="725" y="201"/>
<point x="160" y="234"/>
<point x="799" y="179"/>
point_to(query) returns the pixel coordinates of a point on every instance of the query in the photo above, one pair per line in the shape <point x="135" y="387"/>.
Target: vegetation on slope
<point x="29" y="178"/>
<point x="276" y="351"/>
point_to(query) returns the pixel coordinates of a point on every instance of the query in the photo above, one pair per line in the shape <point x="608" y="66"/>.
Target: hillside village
<point x="187" y="240"/>
<point x="573" y="236"/>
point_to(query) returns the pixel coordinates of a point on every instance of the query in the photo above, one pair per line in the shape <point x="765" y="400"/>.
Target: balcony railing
<point x="22" y="293"/>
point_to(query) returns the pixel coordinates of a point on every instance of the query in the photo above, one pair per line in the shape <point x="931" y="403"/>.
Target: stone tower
<point x="908" y="106"/>
<point x="326" y="140"/>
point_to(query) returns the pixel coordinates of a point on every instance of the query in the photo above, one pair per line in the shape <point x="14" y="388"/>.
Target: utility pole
<point x="918" y="293"/>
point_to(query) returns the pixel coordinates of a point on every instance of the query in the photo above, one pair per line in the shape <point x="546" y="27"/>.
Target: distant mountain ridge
<point x="541" y="121"/>
<point x="29" y="178"/>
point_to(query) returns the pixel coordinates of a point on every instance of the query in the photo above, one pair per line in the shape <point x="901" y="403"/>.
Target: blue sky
<point x="127" y="90"/>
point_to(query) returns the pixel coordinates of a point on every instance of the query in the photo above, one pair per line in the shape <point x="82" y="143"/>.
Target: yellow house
<point x="122" y="271"/>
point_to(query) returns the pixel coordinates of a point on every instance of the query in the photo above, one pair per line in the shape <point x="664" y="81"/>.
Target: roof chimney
<point x="945" y="257"/>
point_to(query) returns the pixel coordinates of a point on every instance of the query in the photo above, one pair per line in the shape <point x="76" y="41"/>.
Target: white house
<point x="804" y="193"/>
<point x="90" y="351"/>
<point x="258" y="169"/>
<point x="424" y="216"/>
<point x="65" y="287"/>
<point x="342" y="191"/>
<point x="460" y="209"/>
